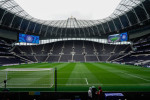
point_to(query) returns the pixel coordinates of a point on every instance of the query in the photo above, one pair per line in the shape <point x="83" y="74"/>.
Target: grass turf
<point x="80" y="76"/>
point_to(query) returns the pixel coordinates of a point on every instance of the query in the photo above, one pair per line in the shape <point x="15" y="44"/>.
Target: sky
<point x="64" y="9"/>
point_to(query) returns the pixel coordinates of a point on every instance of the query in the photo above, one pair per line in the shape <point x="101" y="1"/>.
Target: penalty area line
<point x="86" y="81"/>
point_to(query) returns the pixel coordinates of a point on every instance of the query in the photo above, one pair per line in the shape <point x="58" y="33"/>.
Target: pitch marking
<point x="136" y="76"/>
<point x="86" y="81"/>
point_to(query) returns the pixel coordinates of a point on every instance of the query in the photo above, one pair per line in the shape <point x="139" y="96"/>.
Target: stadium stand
<point x="65" y="51"/>
<point x="74" y="40"/>
<point x="6" y="57"/>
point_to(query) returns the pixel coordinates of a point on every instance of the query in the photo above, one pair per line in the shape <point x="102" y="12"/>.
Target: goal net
<point x="27" y="77"/>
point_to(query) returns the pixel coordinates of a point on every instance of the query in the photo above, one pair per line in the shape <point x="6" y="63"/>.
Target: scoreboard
<point x="118" y="37"/>
<point x="124" y="37"/>
<point x="28" y="38"/>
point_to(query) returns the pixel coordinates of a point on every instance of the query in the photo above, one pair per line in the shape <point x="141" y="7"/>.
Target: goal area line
<point x="27" y="69"/>
<point x="84" y="80"/>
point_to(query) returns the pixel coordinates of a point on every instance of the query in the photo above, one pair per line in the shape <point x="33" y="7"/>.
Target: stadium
<point x="63" y="59"/>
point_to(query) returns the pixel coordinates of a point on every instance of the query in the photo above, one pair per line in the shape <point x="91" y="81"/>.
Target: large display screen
<point x="28" y="38"/>
<point x="124" y="37"/>
<point x="118" y="37"/>
<point x="114" y="38"/>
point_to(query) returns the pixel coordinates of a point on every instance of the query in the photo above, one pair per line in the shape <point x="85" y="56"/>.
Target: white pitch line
<point x="86" y="81"/>
<point x="107" y="84"/>
<point x="136" y="76"/>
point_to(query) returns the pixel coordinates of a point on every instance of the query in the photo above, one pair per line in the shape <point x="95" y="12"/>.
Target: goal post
<point x="27" y="77"/>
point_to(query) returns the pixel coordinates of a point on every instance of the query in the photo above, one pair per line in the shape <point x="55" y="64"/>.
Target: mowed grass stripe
<point x="74" y="76"/>
<point x="60" y="66"/>
<point x="118" y="83"/>
<point x="44" y="65"/>
<point x="79" y="76"/>
<point x="44" y="80"/>
<point x="117" y="74"/>
<point x="104" y="76"/>
<point x="91" y="79"/>
<point x="63" y="77"/>
<point x="126" y="73"/>
<point x="29" y="79"/>
<point x="136" y="70"/>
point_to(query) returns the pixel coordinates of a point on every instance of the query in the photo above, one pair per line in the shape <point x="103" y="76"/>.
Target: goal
<point x="27" y="77"/>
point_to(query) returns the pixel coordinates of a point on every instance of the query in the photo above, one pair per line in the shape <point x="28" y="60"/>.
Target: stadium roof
<point x="129" y="16"/>
<point x="122" y="8"/>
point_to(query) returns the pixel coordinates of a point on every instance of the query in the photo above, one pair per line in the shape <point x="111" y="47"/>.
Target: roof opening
<point x="63" y="9"/>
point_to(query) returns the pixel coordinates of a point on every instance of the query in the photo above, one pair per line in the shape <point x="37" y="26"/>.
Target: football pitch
<point x="81" y="76"/>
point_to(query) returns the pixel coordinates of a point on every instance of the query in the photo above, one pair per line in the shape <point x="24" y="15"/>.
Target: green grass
<point x="114" y="39"/>
<point x="80" y="76"/>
